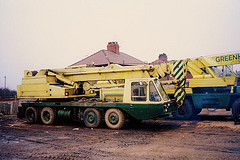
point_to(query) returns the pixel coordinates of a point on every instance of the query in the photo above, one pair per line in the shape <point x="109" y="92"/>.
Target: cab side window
<point x="138" y="92"/>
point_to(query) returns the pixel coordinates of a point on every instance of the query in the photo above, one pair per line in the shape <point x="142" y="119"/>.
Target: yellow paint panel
<point x="172" y="90"/>
<point x="38" y="80"/>
<point x="230" y="80"/>
<point x="111" y="94"/>
<point x="38" y="94"/>
<point x="207" y="82"/>
<point x="34" y="87"/>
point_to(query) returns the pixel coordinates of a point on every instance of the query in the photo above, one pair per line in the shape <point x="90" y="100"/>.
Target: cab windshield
<point x="161" y="90"/>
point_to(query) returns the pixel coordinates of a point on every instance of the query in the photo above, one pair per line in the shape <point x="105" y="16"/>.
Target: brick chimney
<point x="162" y="57"/>
<point x="113" y="46"/>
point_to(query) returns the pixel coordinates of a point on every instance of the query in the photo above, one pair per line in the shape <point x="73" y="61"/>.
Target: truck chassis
<point x="93" y="113"/>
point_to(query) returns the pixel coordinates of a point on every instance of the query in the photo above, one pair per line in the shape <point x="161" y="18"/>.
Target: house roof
<point x="104" y="57"/>
<point x="156" y="62"/>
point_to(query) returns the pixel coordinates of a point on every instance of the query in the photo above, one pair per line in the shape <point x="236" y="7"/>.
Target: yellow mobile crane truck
<point x="113" y="93"/>
<point x="212" y="84"/>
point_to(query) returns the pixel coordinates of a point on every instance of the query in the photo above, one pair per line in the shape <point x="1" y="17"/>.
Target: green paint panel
<point x="211" y="100"/>
<point x="147" y="111"/>
<point x="138" y="111"/>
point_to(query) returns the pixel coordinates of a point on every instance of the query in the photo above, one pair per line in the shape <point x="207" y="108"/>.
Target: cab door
<point x="139" y="96"/>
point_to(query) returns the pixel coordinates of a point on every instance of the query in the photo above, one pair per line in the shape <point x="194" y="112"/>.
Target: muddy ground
<point x="208" y="137"/>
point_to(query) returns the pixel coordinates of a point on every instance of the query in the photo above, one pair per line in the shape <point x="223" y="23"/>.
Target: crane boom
<point x="204" y="75"/>
<point x="84" y="80"/>
<point x="221" y="60"/>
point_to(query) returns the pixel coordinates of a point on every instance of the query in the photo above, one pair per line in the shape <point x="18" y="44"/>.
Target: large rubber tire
<point x="114" y="118"/>
<point x="185" y="112"/>
<point x="197" y="110"/>
<point x="31" y="115"/>
<point x="47" y="115"/>
<point x="91" y="117"/>
<point x="236" y="111"/>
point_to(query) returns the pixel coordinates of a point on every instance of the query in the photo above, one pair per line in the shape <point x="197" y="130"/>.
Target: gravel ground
<point x="208" y="137"/>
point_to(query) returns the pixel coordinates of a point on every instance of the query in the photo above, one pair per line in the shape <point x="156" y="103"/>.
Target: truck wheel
<point x="114" y="118"/>
<point x="92" y="117"/>
<point x="31" y="115"/>
<point x="185" y="111"/>
<point x="47" y="115"/>
<point x="198" y="110"/>
<point x="236" y="111"/>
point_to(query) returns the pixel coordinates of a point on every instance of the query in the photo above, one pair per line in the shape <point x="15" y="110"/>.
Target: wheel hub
<point x="113" y="118"/>
<point x="91" y="117"/>
<point x="30" y="115"/>
<point x="182" y="110"/>
<point x="46" y="116"/>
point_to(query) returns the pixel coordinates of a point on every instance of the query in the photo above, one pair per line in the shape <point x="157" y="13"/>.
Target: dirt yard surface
<point x="208" y="137"/>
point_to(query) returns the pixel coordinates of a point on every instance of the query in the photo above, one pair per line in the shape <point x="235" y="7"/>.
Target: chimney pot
<point x="113" y="46"/>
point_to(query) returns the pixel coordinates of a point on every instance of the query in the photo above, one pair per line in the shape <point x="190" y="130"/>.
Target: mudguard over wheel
<point x="185" y="111"/>
<point x="114" y="118"/>
<point x="236" y="111"/>
<point x="92" y="117"/>
<point x="31" y="115"/>
<point x="47" y="115"/>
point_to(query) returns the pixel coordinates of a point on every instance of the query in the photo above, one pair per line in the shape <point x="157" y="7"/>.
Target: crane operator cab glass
<point x="139" y="91"/>
<point x="161" y="90"/>
<point x="153" y="93"/>
<point x="156" y="92"/>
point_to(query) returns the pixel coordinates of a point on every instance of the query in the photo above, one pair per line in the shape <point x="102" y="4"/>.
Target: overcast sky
<point x="37" y="34"/>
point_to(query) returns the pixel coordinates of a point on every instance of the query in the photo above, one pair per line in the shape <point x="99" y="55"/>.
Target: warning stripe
<point x="179" y="95"/>
<point x="182" y="82"/>
<point x="176" y="64"/>
<point x="179" y="70"/>
<point x="177" y="91"/>
<point x="179" y="74"/>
